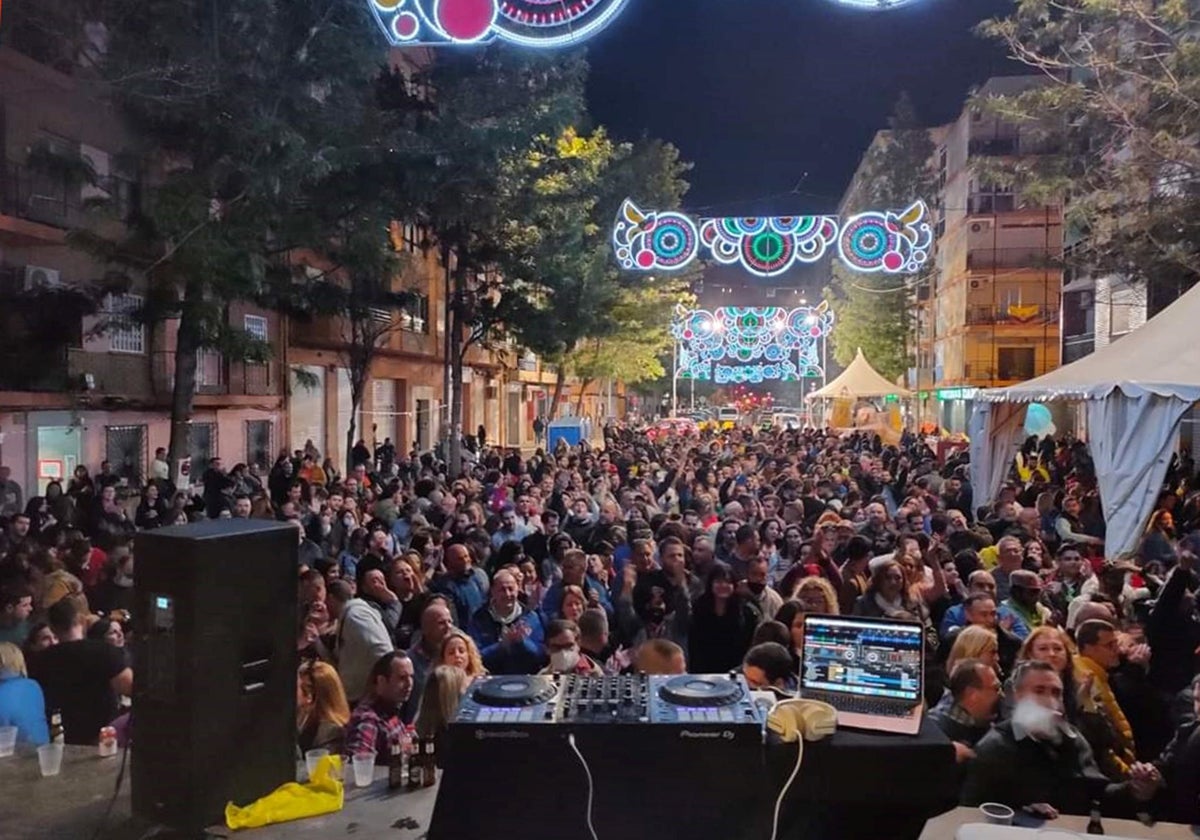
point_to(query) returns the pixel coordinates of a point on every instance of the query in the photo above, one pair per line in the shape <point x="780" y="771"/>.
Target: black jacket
<point x="1020" y="773"/>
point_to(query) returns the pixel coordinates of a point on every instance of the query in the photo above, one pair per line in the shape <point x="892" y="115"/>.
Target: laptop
<point x="870" y="669"/>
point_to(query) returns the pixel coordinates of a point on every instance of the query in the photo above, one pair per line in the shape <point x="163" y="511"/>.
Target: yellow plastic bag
<point x="323" y="794"/>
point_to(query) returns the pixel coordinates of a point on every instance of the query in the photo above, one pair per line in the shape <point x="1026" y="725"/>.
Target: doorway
<point x="58" y="453"/>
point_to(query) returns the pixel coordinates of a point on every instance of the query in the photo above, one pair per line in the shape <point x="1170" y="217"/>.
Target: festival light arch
<point x="529" y="23"/>
<point x="876" y="241"/>
<point x="736" y="344"/>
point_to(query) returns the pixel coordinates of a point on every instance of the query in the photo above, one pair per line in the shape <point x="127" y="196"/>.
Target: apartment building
<point x="998" y="277"/>
<point x="71" y="393"/>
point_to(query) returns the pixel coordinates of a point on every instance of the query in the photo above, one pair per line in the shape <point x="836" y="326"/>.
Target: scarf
<point x="505" y="620"/>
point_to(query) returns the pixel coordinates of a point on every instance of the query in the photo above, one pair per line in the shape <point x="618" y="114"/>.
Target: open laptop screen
<point x="862" y="657"/>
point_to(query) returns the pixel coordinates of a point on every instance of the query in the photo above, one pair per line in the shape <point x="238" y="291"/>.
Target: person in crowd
<point x="463" y="583"/>
<point x="82" y="678"/>
<point x="722" y="625"/>
<point x="965" y="715"/>
<point x="362" y="638"/>
<point x="436" y="625"/>
<point x="16" y="606"/>
<point x="1025" y="600"/>
<point x="1099" y="654"/>
<point x="322" y="710"/>
<point x="659" y="656"/>
<point x="974" y="642"/>
<point x="459" y="650"/>
<point x="562" y="643"/>
<point x="769" y="666"/>
<point x="440" y="699"/>
<point x="376" y="724"/>
<point x="981" y="583"/>
<point x="22" y="703"/>
<point x="510" y="636"/>
<point x="1037" y="762"/>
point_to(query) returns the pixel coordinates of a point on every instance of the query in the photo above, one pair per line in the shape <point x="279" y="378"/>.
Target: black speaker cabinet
<point x="214" y="704"/>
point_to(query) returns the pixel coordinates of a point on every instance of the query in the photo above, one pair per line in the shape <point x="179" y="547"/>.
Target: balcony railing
<point x="51" y="199"/>
<point x="210" y="372"/>
<point x="1019" y="315"/>
<point x="986" y="259"/>
<point x="43" y="371"/>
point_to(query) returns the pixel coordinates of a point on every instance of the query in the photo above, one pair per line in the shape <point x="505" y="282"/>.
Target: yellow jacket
<point x="1116" y="759"/>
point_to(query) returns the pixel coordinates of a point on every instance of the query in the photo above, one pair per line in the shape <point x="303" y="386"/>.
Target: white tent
<point x="1135" y="392"/>
<point x="858" y="380"/>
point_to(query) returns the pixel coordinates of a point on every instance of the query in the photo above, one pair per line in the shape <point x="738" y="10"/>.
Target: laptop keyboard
<point x="865" y="705"/>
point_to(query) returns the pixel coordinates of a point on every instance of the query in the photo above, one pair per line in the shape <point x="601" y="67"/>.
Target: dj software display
<point x="668" y="756"/>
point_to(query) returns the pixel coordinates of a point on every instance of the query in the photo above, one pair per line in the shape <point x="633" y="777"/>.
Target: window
<point x="203" y="446"/>
<point x="125" y="334"/>
<point x="258" y="443"/>
<point x="125" y="450"/>
<point x="416" y="314"/>
<point x="380" y="314"/>
<point x="210" y="371"/>
<point x="1015" y="363"/>
<point x="256" y="326"/>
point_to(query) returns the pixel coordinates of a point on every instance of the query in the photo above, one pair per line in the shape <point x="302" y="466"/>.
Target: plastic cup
<point x="50" y="759"/>
<point x="312" y="758"/>
<point x="8" y="740"/>
<point x="997" y="813"/>
<point x="364" y="769"/>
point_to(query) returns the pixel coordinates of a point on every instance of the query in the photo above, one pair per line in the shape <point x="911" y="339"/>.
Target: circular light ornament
<point x="874" y="5"/>
<point x="553" y="23"/>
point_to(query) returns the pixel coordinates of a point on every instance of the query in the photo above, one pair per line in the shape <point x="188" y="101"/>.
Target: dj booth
<point x="636" y="756"/>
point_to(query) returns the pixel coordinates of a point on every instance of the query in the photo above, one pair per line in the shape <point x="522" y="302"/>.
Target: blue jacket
<point x="955" y="617"/>
<point x="467" y="594"/>
<point x="23" y="705"/>
<point x="501" y="657"/>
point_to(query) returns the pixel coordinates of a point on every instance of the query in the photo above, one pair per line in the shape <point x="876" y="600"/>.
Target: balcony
<point x="1014" y="315"/>
<point x="35" y="370"/>
<point x="215" y="376"/>
<point x="50" y="204"/>
<point x="988" y="259"/>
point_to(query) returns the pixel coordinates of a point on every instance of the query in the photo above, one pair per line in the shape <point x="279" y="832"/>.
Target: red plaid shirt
<point x="374" y="726"/>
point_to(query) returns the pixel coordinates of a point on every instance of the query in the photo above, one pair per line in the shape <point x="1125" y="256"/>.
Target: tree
<point x="243" y="110"/>
<point x="1114" y="120"/>
<point x="873" y="309"/>
<point x="568" y="299"/>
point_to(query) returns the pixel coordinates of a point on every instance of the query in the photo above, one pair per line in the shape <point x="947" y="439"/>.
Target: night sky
<point x="774" y="101"/>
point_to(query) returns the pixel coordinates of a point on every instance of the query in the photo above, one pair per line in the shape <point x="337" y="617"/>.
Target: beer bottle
<point x="416" y="767"/>
<point x="429" y="764"/>
<point x="1094" y="826"/>
<point x="56" y="727"/>
<point x="397" y="766"/>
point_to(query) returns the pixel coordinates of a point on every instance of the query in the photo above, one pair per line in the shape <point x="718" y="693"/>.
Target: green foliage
<point x="1116" y="118"/>
<point x="872" y="310"/>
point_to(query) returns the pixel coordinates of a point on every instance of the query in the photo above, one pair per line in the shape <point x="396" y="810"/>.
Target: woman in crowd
<point x="974" y="642"/>
<point x="22" y="703"/>
<point x="889" y="596"/>
<point x="321" y="708"/>
<point x="574" y="602"/>
<point x="722" y="626"/>
<point x="789" y="552"/>
<point x="1054" y="647"/>
<point x="443" y="692"/>
<point x="459" y="650"/>
<point x="152" y="510"/>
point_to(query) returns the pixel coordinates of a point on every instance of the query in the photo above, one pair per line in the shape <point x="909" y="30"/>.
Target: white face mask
<point x="564" y="660"/>
<point x="1040" y="722"/>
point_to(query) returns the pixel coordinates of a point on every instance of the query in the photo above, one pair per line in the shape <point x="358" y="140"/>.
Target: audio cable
<point x="590" y="788"/>
<point x="786" y="787"/>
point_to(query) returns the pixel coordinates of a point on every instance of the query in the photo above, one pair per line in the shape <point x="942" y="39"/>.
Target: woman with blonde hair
<point x="975" y="642"/>
<point x="321" y="708"/>
<point x="444" y="690"/>
<point x="1053" y="646"/>
<point x="817" y="595"/>
<point x="22" y="703"/>
<point x="459" y="650"/>
<point x="573" y="603"/>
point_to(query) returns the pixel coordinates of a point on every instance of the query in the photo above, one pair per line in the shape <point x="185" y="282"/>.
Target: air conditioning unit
<point x="977" y="284"/>
<point x="37" y="277"/>
<point x="980" y="227"/>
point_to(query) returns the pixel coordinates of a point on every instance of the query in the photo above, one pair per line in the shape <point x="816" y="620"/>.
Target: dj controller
<point x="666" y="756"/>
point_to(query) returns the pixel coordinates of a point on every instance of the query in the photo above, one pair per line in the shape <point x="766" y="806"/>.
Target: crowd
<point x="1063" y="677"/>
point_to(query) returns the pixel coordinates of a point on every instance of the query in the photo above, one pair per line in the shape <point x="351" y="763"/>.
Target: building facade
<point x="84" y="388"/>
<point x="998" y="278"/>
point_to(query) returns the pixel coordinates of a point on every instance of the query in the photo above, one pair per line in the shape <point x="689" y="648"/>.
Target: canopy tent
<point x="859" y="380"/>
<point x="1135" y="393"/>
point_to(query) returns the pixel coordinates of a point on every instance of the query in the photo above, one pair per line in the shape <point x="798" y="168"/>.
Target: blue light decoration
<point x="874" y="5"/>
<point x="529" y="23"/>
<point x="891" y="242"/>
<point x="735" y="344"/>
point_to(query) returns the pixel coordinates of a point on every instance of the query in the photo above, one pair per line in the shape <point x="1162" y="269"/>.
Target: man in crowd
<point x="510" y="636"/>
<point x="975" y="694"/>
<point x="377" y="723"/>
<point x="362" y="638"/>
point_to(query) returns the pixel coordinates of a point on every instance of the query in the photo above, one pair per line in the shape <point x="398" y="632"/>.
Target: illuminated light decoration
<point x="646" y="242"/>
<point x="768" y="246"/>
<point x="530" y="23"/>
<point x="895" y="243"/>
<point x="735" y="344"/>
<point x="874" y="5"/>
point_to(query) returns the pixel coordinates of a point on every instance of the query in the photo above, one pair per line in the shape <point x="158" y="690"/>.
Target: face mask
<point x="564" y="660"/>
<point x="1037" y="720"/>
